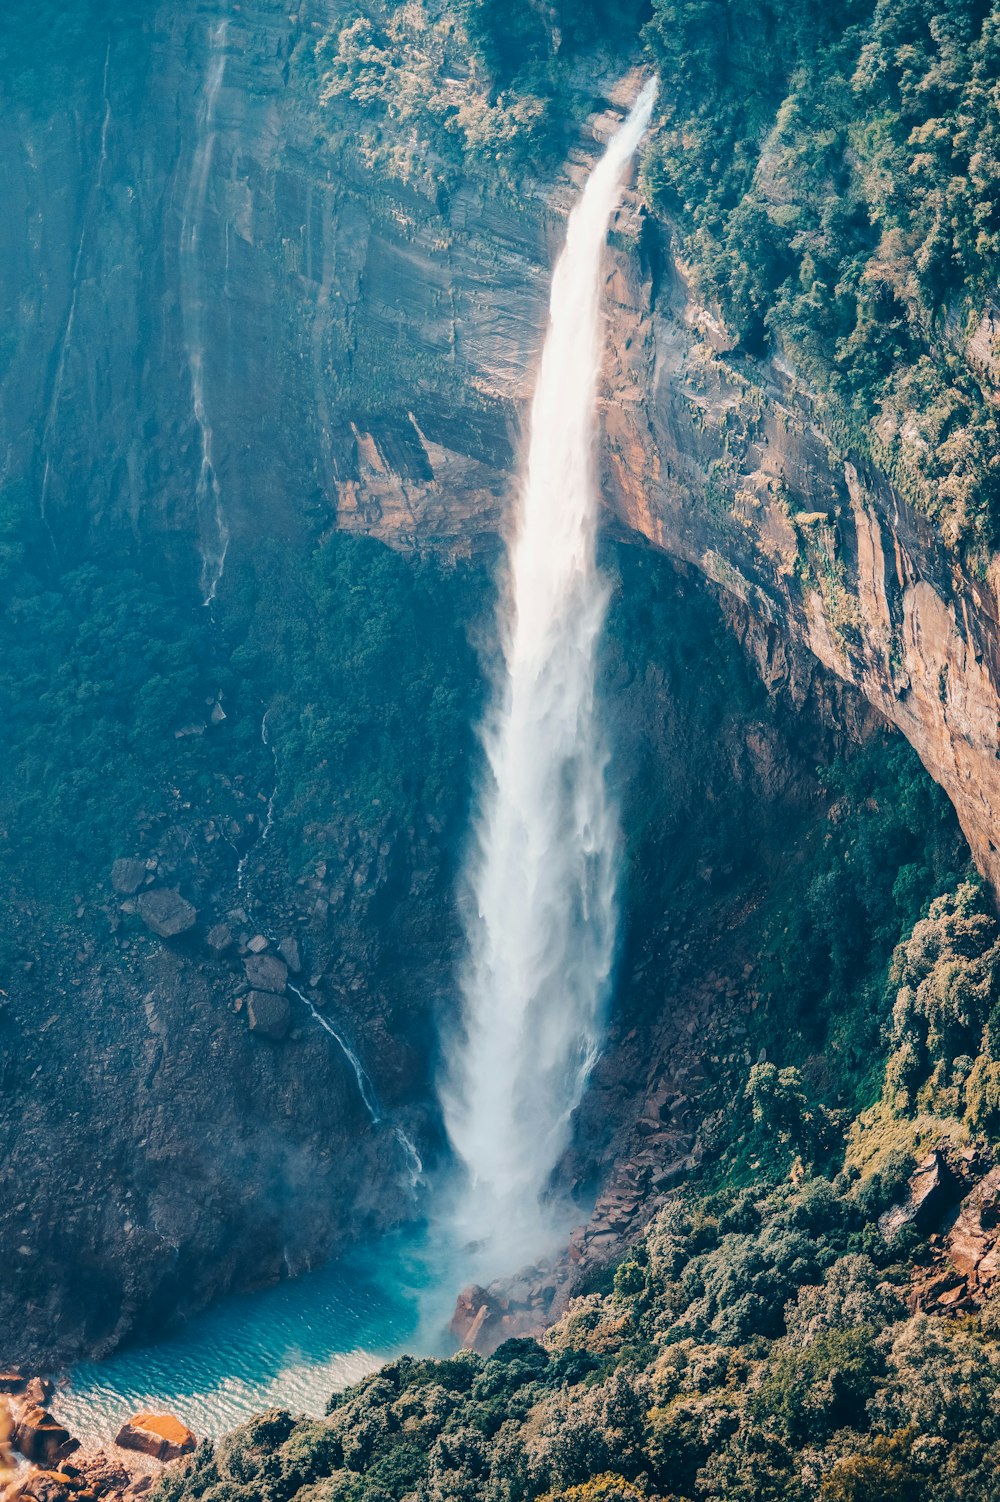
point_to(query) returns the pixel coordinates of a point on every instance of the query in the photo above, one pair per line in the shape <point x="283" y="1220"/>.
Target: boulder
<point x="38" y="1391"/>
<point x="290" y="953"/>
<point x="257" y="944"/>
<point x="266" y="972"/>
<point x="49" y="1486"/>
<point x="160" y="1435"/>
<point x="41" y="1438"/>
<point x="12" y="1382"/>
<point x="128" y="875"/>
<point x="219" y="938"/>
<point x="268" y="1015"/>
<point x="931" y="1192"/>
<point x="973" y="1243"/>
<point x="165" y="912"/>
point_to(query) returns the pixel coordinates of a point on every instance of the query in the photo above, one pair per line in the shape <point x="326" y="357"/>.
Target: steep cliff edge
<point x="718" y="459"/>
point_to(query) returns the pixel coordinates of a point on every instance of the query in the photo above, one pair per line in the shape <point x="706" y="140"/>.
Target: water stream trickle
<point x="213" y="528"/>
<point x="540" y="920"/>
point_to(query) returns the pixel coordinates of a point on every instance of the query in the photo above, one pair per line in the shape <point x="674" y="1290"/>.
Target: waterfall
<point x="540" y="919"/>
<point x="213" y="531"/>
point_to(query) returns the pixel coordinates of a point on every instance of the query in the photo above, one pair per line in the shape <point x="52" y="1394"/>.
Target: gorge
<point x="275" y="283"/>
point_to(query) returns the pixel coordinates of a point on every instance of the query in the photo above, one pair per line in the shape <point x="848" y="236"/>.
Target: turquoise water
<point x="290" y="1346"/>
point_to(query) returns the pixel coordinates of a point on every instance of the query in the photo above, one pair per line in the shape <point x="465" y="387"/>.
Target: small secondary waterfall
<point x="540" y="925"/>
<point x="212" y="526"/>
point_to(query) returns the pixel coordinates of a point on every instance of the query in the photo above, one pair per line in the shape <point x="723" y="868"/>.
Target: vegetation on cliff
<point x="754" y="1345"/>
<point x="757" y="1342"/>
<point x="828" y="172"/>
<point x="832" y="171"/>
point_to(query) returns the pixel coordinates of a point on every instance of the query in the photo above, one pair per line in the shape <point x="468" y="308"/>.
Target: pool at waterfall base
<point x="290" y="1346"/>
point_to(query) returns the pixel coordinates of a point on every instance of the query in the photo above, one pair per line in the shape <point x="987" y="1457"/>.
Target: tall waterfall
<point x="541" y="914"/>
<point x="213" y="530"/>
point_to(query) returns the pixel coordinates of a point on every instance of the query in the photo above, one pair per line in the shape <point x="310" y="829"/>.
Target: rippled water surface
<point x="290" y="1346"/>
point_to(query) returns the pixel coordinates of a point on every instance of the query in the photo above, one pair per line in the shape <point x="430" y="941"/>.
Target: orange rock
<point x="157" y="1434"/>
<point x="41" y="1438"/>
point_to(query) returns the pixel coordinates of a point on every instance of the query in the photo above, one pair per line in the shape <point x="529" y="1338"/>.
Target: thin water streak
<point x="213" y="528"/>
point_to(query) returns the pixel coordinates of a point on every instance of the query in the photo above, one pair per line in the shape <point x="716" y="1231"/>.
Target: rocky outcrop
<point x="160" y="1435"/>
<point x="40" y="1437"/>
<point x="932" y="1191"/>
<point x="727" y="462"/>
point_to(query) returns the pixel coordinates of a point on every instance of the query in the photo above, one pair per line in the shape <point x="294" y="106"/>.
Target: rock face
<point x="822" y="550"/>
<point x="166" y="913"/>
<point x="932" y="1190"/>
<point x="128" y="875"/>
<point x="157" y="1434"/>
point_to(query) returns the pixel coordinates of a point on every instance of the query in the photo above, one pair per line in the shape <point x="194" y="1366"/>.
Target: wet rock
<point x="219" y="938"/>
<point x="266" y="972"/>
<point x="257" y="944"/>
<point x="14" y="1382"/>
<point x="290" y="953"/>
<point x="268" y="1015"/>
<point x="128" y="875"/>
<point x="166" y="912"/>
<point x="472" y="1309"/>
<point x="41" y="1438"/>
<point x="160" y="1435"/>
<point x="38" y="1391"/>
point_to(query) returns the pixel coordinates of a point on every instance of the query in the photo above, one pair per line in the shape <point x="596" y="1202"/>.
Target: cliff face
<point x="209" y="278"/>
<point x="723" y="462"/>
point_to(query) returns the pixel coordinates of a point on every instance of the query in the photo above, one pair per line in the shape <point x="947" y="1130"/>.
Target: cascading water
<point x="212" y="526"/>
<point x="541" y="917"/>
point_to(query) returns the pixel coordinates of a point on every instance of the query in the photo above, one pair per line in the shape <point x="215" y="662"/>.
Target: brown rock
<point x="268" y="1014"/>
<point x="931" y="1191"/>
<point x="38" y="1391"/>
<point x="158" y="1434"/>
<point x="41" y="1438"/>
<point x="166" y="912"/>
<point x="973" y="1243"/>
<point x="266" y="972"/>
<point x="12" y="1382"/>
<point x="50" y="1486"/>
<point x="128" y="875"/>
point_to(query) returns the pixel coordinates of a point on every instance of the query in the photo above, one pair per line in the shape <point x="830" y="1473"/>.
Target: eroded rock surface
<point x="160" y="1435"/>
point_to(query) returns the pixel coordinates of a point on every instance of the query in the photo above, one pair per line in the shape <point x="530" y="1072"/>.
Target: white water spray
<point x="541" y="919"/>
<point x="212" y="526"/>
